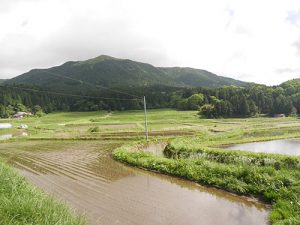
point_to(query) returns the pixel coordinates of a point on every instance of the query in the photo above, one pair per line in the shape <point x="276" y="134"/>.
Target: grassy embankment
<point x="21" y="203"/>
<point x="275" y="179"/>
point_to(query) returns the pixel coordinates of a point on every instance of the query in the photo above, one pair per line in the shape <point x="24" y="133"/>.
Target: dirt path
<point x="84" y="176"/>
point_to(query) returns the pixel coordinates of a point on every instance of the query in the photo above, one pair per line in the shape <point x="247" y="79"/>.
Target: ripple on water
<point x="286" y="146"/>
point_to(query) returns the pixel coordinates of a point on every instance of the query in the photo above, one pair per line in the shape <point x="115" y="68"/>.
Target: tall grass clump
<point x="233" y="156"/>
<point x="94" y="130"/>
<point x="21" y="203"/>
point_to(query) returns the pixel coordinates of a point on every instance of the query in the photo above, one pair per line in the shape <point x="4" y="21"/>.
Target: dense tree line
<point x="246" y="101"/>
<point x="24" y="98"/>
<point x="229" y="101"/>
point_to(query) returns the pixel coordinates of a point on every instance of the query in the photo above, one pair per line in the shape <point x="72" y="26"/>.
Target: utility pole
<point x="146" y="125"/>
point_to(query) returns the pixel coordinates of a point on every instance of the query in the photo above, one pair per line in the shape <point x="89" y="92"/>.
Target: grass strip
<point x="21" y="203"/>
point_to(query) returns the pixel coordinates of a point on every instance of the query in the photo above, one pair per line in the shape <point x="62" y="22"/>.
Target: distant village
<point x="17" y="115"/>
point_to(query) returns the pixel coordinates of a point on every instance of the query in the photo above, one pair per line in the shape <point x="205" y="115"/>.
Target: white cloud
<point x="250" y="40"/>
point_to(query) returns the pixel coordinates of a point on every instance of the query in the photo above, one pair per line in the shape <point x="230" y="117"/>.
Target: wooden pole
<point x="146" y="125"/>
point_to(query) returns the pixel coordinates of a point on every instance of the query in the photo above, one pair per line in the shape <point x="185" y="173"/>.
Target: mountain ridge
<point x="2" y="80"/>
<point x="111" y="72"/>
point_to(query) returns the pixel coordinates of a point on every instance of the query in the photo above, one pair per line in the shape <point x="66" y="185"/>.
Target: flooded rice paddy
<point x="286" y="147"/>
<point x="83" y="174"/>
<point x="9" y="136"/>
<point x="5" y="136"/>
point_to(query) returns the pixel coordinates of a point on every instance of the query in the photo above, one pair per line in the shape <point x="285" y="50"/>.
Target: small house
<point x="279" y="115"/>
<point x="21" y="114"/>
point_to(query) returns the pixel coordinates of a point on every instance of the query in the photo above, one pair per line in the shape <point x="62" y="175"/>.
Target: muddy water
<point x="286" y="147"/>
<point x="84" y="176"/>
<point x="5" y="136"/>
<point x="9" y="136"/>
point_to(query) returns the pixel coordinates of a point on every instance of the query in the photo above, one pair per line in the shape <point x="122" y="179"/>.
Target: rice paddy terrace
<point x="69" y="156"/>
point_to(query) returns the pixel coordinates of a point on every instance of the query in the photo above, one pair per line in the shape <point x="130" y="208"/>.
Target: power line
<point x="72" y="95"/>
<point x="93" y="85"/>
<point x="95" y="97"/>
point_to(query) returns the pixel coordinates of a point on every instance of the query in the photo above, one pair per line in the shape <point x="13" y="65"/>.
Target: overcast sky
<point x="251" y="40"/>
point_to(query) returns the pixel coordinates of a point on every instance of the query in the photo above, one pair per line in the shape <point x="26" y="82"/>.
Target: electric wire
<point x="93" y="85"/>
<point x="72" y="95"/>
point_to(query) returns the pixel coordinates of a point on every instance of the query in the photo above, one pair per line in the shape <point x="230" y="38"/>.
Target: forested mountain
<point x="2" y="81"/>
<point x="227" y="101"/>
<point x="112" y="72"/>
<point x="91" y="85"/>
<point x="198" y="78"/>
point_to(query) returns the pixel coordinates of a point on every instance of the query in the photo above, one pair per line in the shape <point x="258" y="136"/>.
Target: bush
<point x="94" y="129"/>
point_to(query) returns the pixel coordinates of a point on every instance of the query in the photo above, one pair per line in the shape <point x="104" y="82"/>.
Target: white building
<point x="5" y="125"/>
<point x="22" y="126"/>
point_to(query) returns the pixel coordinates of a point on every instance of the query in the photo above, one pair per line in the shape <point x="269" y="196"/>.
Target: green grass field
<point x="76" y="125"/>
<point x="192" y="153"/>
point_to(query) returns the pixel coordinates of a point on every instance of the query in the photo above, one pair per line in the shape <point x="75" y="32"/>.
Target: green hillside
<point x="198" y="78"/>
<point x="111" y="72"/>
<point x="292" y="85"/>
<point x="2" y="81"/>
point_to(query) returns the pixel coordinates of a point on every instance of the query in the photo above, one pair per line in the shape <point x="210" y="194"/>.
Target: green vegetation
<point x="249" y="101"/>
<point x="94" y="129"/>
<point x="272" y="178"/>
<point x="112" y="72"/>
<point x="62" y="88"/>
<point x="277" y="185"/>
<point x="231" y="101"/>
<point x="75" y="125"/>
<point x="85" y="86"/>
<point x="10" y="110"/>
<point x="21" y="203"/>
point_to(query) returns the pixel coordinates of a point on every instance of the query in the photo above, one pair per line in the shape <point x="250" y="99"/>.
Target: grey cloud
<point x="287" y="70"/>
<point x="85" y="38"/>
<point x="241" y="30"/>
<point x="231" y="13"/>
<point x="243" y="76"/>
<point x="238" y="29"/>
<point x="8" y="5"/>
<point x="24" y="23"/>
<point x="297" y="46"/>
<point x="81" y="38"/>
<point x="294" y="17"/>
<point x="15" y="53"/>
